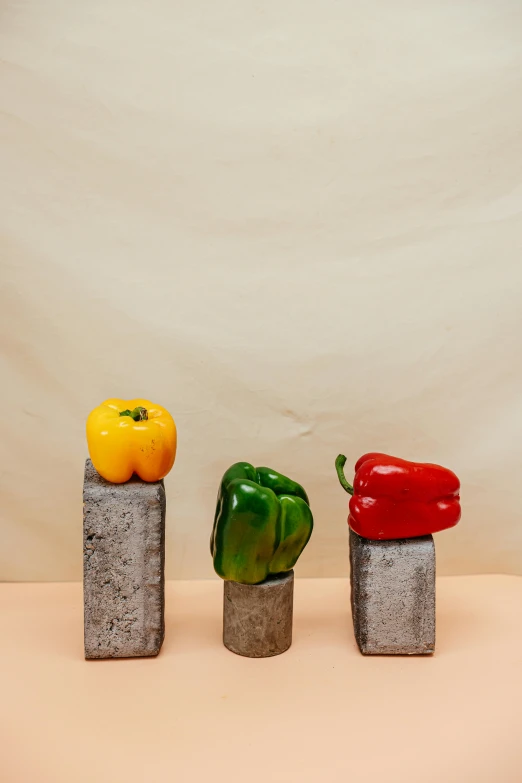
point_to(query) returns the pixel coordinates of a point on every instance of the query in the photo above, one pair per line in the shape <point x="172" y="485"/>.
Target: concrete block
<point x="393" y="595"/>
<point x="123" y="566"/>
<point x="257" y="619"/>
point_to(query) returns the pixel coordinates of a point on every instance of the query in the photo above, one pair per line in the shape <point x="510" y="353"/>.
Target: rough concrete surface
<point x="257" y="619"/>
<point x="123" y="566"/>
<point x="393" y="595"/>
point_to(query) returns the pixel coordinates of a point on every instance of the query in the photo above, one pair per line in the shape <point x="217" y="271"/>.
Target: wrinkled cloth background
<point x="296" y="225"/>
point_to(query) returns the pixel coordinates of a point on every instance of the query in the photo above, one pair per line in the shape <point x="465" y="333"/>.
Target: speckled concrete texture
<point x="393" y="595"/>
<point x="257" y="619"/>
<point x="123" y="566"/>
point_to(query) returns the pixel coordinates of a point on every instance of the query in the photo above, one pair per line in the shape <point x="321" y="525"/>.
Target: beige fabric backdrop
<point x="298" y="225"/>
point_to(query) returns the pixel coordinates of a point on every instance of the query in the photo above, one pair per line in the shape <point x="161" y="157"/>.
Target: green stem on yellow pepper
<point x="138" y="414"/>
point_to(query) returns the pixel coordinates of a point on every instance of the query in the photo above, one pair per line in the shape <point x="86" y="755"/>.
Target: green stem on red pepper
<point x="340" y="462"/>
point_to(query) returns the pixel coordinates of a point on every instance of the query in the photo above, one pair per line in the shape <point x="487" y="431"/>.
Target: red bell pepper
<point x="394" y="498"/>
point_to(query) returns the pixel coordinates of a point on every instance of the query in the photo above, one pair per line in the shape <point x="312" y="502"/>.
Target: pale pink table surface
<point x="320" y="712"/>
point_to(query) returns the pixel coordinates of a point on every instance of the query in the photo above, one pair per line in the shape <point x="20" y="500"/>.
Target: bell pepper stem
<point x="340" y="462"/>
<point x="138" y="414"/>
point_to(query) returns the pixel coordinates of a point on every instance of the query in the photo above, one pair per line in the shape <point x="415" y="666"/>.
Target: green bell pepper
<point x="262" y="524"/>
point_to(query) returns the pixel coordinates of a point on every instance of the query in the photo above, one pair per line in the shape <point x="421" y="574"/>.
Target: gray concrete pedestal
<point x="393" y="595"/>
<point x="257" y="619"/>
<point x="123" y="566"/>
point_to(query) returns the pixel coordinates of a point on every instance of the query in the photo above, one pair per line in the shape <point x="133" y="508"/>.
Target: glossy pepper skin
<point x="394" y="498"/>
<point x="262" y="524"/>
<point x="131" y="436"/>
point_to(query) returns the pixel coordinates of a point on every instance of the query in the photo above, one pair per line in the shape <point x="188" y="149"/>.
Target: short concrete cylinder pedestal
<point x="257" y="619"/>
<point x="123" y="567"/>
<point x="393" y="595"/>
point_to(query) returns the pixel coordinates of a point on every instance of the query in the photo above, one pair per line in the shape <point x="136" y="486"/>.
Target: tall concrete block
<point x="393" y="595"/>
<point x="257" y="619"/>
<point x="123" y="566"/>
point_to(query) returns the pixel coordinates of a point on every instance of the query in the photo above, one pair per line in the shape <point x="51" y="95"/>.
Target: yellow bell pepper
<point x="131" y="436"/>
